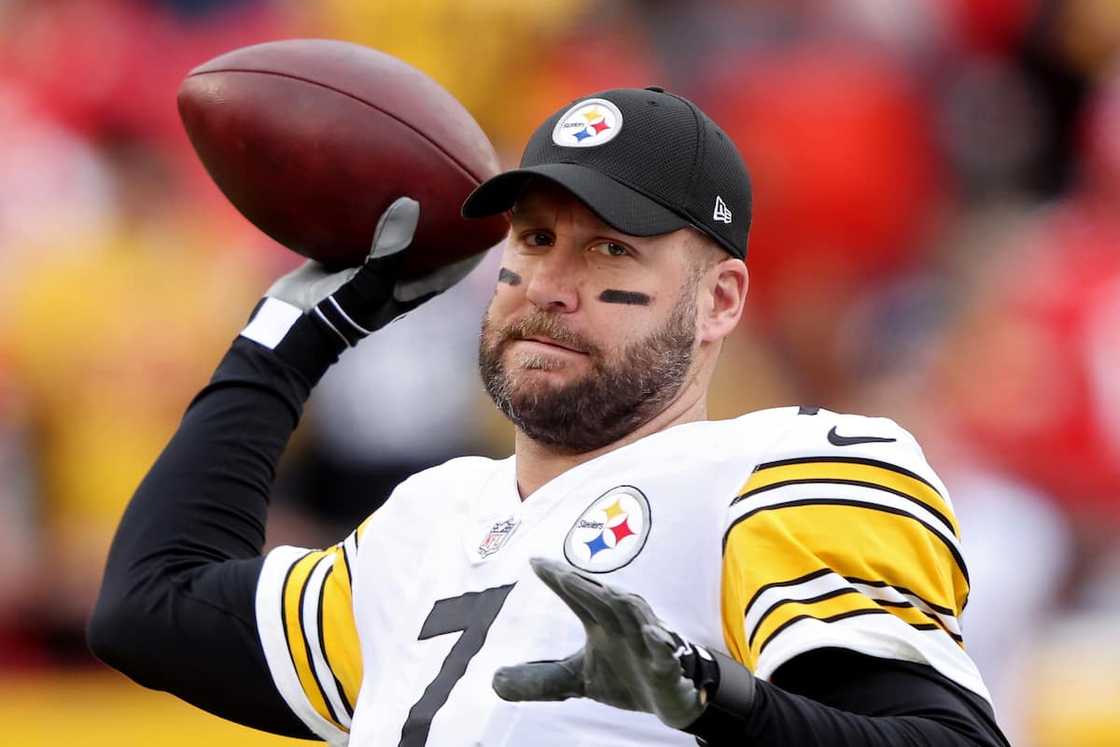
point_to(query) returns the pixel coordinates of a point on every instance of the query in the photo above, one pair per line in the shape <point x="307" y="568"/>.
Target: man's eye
<point x="538" y="238"/>
<point x="612" y="249"/>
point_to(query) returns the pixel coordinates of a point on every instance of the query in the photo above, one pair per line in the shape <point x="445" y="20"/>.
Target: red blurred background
<point x="936" y="239"/>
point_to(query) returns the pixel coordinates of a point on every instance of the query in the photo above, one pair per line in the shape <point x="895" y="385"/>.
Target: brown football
<point x="312" y="139"/>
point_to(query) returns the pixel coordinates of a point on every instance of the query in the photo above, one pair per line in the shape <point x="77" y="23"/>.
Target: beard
<point x="602" y="406"/>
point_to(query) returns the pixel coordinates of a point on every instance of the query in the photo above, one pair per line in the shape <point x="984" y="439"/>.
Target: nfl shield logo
<point x="496" y="538"/>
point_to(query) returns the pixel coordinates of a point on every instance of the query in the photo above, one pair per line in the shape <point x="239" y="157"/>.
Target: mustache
<point x="543" y="324"/>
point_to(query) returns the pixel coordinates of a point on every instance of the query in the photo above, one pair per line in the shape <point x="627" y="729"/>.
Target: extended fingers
<point x="593" y="601"/>
<point x="584" y="596"/>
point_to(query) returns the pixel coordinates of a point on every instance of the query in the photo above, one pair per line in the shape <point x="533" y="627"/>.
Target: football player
<point x="635" y="574"/>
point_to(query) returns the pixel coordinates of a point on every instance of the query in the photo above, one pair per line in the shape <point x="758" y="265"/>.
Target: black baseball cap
<point x="647" y="162"/>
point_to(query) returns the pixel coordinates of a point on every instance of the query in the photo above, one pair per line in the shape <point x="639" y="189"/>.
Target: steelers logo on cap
<point x="589" y="123"/>
<point x="610" y="532"/>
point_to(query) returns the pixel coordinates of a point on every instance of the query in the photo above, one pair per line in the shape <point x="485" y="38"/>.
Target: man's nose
<point x="553" y="282"/>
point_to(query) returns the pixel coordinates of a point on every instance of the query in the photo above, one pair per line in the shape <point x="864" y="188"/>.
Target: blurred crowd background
<point x="936" y="239"/>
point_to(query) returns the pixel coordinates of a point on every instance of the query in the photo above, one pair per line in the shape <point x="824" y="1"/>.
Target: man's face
<point x="591" y="332"/>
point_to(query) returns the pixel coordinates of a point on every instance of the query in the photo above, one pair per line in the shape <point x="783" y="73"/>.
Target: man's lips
<point x="551" y="343"/>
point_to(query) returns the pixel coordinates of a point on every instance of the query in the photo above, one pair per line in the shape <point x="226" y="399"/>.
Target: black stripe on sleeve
<point x="811" y="600"/>
<point x="323" y="644"/>
<point x="850" y="460"/>
<point x="779" y="584"/>
<point x="856" y="483"/>
<point x="350" y="569"/>
<point x="899" y="603"/>
<point x="284" y="611"/>
<point x="829" y="619"/>
<point x="934" y="624"/>
<point x="902" y="590"/>
<point x="307" y="646"/>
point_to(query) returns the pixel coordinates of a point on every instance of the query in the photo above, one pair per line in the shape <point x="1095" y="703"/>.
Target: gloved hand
<point x="630" y="660"/>
<point x="347" y="305"/>
<point x="359" y="300"/>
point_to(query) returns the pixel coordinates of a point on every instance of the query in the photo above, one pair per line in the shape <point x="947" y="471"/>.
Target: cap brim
<point x="619" y="206"/>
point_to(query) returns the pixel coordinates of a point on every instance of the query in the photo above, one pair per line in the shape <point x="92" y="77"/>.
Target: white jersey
<point x="764" y="537"/>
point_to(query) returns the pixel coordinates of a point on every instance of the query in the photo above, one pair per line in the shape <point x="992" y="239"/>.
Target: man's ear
<point x="725" y="294"/>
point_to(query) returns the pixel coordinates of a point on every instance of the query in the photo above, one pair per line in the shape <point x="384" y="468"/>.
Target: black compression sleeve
<point x="176" y="610"/>
<point x="840" y="698"/>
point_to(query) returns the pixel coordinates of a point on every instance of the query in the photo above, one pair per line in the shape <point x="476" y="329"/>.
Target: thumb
<point x="396" y="228"/>
<point x="541" y="680"/>
<point x="366" y="298"/>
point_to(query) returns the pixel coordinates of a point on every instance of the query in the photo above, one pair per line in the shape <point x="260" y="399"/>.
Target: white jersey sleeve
<point x="843" y="536"/>
<point x="305" y="618"/>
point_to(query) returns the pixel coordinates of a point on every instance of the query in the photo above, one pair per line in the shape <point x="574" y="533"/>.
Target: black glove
<point x="312" y="314"/>
<point x="631" y="660"/>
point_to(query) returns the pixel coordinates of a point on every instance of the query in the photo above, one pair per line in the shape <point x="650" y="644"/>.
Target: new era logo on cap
<point x="722" y="213"/>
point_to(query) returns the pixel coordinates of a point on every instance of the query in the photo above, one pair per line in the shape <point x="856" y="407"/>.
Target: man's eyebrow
<point x="546" y="219"/>
<point x="526" y="215"/>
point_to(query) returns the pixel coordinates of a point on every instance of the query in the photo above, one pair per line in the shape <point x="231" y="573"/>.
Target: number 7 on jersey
<point x="472" y="614"/>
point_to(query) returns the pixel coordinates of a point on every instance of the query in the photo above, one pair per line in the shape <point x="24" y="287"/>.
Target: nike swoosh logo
<point x="836" y="439"/>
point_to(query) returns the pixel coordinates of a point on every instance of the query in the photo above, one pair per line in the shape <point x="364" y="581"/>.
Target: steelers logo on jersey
<point x="611" y="532"/>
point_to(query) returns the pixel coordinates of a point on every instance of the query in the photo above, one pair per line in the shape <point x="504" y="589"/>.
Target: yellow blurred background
<point x="936" y="238"/>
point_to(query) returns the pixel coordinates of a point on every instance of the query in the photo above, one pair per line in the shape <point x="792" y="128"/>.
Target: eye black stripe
<point x="629" y="298"/>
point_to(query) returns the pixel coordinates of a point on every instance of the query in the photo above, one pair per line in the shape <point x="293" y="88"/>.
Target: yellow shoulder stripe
<point x="854" y="542"/>
<point x="866" y="472"/>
